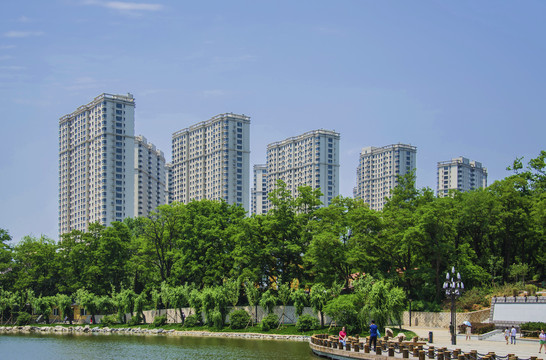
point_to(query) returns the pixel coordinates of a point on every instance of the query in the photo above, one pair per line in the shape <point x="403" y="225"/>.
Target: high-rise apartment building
<point x="169" y="198"/>
<point x="460" y="174"/>
<point x="309" y="159"/>
<point x="211" y="160"/>
<point x="96" y="163"/>
<point x="150" y="181"/>
<point x="378" y="172"/>
<point x="259" y="191"/>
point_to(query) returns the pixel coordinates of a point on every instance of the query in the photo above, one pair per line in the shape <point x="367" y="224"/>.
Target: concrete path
<point x="524" y="348"/>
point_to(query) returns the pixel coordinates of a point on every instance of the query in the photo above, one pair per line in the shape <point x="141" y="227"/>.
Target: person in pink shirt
<point x="343" y="336"/>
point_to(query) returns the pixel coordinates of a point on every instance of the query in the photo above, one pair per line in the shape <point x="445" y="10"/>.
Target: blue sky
<point x="452" y="78"/>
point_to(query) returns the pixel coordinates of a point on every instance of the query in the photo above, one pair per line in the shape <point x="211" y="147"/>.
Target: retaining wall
<point x="442" y="319"/>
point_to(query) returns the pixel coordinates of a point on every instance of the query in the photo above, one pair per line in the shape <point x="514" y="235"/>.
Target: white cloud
<point x="22" y="34"/>
<point x="24" y="19"/>
<point x="5" y="57"/>
<point x="6" y="47"/>
<point x="126" y="6"/>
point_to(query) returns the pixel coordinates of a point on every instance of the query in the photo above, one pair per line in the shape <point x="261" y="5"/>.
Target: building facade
<point x="150" y="178"/>
<point x="309" y="159"/>
<point x="378" y="172"/>
<point x="211" y="160"/>
<point x="169" y="198"/>
<point x="259" y="190"/>
<point x="460" y="174"/>
<point x="96" y="163"/>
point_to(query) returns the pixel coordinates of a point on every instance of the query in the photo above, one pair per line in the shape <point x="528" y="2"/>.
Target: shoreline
<point x="87" y="330"/>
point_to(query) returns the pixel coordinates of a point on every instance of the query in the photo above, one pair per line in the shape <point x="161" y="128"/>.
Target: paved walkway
<point x="524" y="348"/>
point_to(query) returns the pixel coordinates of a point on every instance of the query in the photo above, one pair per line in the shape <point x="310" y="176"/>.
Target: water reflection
<point x="37" y="346"/>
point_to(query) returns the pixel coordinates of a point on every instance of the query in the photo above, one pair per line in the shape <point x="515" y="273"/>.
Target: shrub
<point x="135" y="320"/>
<point x="217" y="319"/>
<point x="238" y="319"/>
<point x="483" y="328"/>
<point x="422" y="305"/>
<point x="473" y="297"/>
<point x="307" y="322"/>
<point x="109" y="320"/>
<point x="531" y="289"/>
<point x="159" y="321"/>
<point x="271" y="321"/>
<point x="533" y="326"/>
<point x="23" y="319"/>
<point x="192" y="321"/>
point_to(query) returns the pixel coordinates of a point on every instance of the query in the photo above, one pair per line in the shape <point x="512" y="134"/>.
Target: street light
<point x="453" y="287"/>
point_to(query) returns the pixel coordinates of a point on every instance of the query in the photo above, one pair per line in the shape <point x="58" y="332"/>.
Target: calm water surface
<point x="96" y="346"/>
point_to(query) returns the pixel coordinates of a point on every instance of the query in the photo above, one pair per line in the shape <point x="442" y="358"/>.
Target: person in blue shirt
<point x="373" y="335"/>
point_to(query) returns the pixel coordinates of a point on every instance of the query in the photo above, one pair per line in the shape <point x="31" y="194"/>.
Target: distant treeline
<point x="491" y="236"/>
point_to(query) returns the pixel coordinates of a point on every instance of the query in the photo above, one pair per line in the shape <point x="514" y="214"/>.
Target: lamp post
<point x="453" y="287"/>
<point x="409" y="312"/>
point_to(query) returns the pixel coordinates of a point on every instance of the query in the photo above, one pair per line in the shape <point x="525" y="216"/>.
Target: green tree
<point x="8" y="301"/>
<point x="284" y="294"/>
<point x="268" y="301"/>
<point x="341" y="235"/>
<point x="140" y="303"/>
<point x="318" y="299"/>
<point x="161" y="233"/>
<point x="284" y="228"/>
<point x="207" y="240"/>
<point x="64" y="304"/>
<point x="6" y="263"/>
<point x="253" y="297"/>
<point x="232" y="288"/>
<point x="343" y="310"/>
<point x="518" y="272"/>
<point x="43" y="306"/>
<point x="300" y="299"/>
<point x="87" y="300"/>
<point x="180" y="298"/>
<point x="35" y="265"/>
<point x="378" y="300"/>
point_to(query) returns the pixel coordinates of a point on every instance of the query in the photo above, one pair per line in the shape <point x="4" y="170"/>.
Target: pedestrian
<point x="373" y="335"/>
<point x="468" y="331"/>
<point x="506" y="335"/>
<point x="513" y="333"/>
<point x="343" y="336"/>
<point x="542" y="340"/>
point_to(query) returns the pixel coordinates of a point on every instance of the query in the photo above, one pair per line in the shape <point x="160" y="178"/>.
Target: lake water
<point x="94" y="346"/>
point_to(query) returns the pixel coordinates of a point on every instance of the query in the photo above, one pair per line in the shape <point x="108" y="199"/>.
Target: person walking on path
<point x="513" y="333"/>
<point x="468" y="331"/>
<point x="506" y="335"/>
<point x="373" y="335"/>
<point x="542" y="340"/>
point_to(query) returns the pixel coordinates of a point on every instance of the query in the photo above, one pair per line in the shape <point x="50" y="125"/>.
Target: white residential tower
<point x="211" y="160"/>
<point x="309" y="159"/>
<point x="460" y="174"/>
<point x="378" y="172"/>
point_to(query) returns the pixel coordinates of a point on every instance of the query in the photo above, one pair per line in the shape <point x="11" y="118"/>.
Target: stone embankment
<point x="28" y="329"/>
